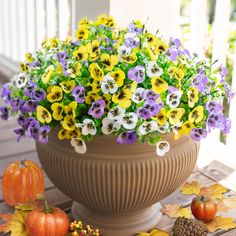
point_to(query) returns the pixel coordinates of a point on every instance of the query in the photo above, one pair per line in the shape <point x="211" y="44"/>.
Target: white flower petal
<point x="79" y="145"/>
<point x="128" y="120"/>
<point x="137" y="96"/>
<point x="162" y="148"/>
<point x="153" y="70"/>
<point x="21" y="81"/>
<point x="115" y="113"/>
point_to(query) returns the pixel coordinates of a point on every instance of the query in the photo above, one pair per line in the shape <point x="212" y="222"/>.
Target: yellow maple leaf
<point x="220" y="222"/>
<point x="4" y="228"/>
<point x="176" y="211"/>
<point x="214" y="191"/>
<point x="154" y="232"/>
<point x="191" y="188"/>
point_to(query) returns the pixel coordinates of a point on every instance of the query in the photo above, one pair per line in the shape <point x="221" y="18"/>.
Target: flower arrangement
<point x="126" y="82"/>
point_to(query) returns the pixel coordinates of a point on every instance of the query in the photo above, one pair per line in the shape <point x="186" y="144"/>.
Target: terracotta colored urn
<point x="117" y="187"/>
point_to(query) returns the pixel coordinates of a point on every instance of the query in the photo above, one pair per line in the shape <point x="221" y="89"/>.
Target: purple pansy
<point x="198" y="133"/>
<point x="132" y="28"/>
<point x="4" y="113"/>
<point x="214" y="106"/>
<point x="213" y="120"/>
<point x="137" y="74"/>
<point x="149" y="110"/>
<point x="223" y="71"/>
<point x="175" y="42"/>
<point x="228" y="92"/>
<point x="79" y="93"/>
<point x="172" y="54"/>
<point x="127" y="137"/>
<point x="28" y="106"/>
<point x="35" y="64"/>
<point x="20" y="133"/>
<point x="97" y="109"/>
<point x="6" y="93"/>
<point x="27" y="122"/>
<point x="150" y="96"/>
<point x="43" y="134"/>
<point x="33" y="129"/>
<point x="15" y="104"/>
<point x="21" y="120"/>
<point x="132" y="42"/>
<point x="39" y="95"/>
<point x="200" y="82"/>
<point x="61" y="56"/>
<point x="28" y="90"/>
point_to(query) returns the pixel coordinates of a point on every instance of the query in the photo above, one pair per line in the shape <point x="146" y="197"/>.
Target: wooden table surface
<point x="11" y="151"/>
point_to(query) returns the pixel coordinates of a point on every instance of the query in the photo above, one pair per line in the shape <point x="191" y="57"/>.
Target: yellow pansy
<point x="83" y="22"/>
<point x="159" y="85"/>
<point x="150" y="39"/>
<point x="29" y="57"/>
<point x="132" y="87"/>
<point x="72" y="134"/>
<point x="60" y="69"/>
<point x="96" y="72"/>
<point x="68" y="40"/>
<point x="192" y="96"/>
<point x="54" y="42"/>
<point x="96" y="86"/>
<point x="94" y="50"/>
<point x="184" y="129"/>
<point x="47" y="75"/>
<point x="153" y="54"/>
<point x="92" y="97"/>
<point x="82" y="33"/>
<point x="177" y="73"/>
<point x="81" y="54"/>
<point x="67" y="86"/>
<point x="123" y="98"/>
<point x="70" y="109"/>
<point x="75" y="70"/>
<point x="68" y="123"/>
<point x="55" y="94"/>
<point x="61" y="134"/>
<point x="174" y="115"/>
<point x="110" y="22"/>
<point x="43" y="115"/>
<point x="102" y="19"/>
<point x="23" y="67"/>
<point x="131" y="58"/>
<point x="196" y="115"/>
<point x="119" y="76"/>
<point x="161" y="117"/>
<point x="107" y="97"/>
<point x="109" y="61"/>
<point x="57" y="109"/>
<point x="160" y="46"/>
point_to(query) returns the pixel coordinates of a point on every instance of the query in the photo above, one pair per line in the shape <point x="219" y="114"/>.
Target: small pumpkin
<point x="204" y="208"/>
<point x="47" y="221"/>
<point x="22" y="181"/>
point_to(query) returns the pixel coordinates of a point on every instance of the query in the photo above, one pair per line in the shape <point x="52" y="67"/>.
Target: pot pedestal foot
<point x="127" y="224"/>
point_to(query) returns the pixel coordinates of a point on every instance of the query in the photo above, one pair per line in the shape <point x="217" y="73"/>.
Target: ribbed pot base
<point x="118" y="224"/>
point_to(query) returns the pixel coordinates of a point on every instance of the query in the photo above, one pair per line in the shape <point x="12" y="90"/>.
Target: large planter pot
<point x="117" y="187"/>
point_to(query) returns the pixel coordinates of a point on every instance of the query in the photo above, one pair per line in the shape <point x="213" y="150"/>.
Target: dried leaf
<point x="5" y="227"/>
<point x="30" y="206"/>
<point x="215" y="191"/>
<point x="226" y="203"/>
<point x="191" y="188"/>
<point x="176" y="211"/>
<point x="154" y="232"/>
<point x="17" y="226"/>
<point x="220" y="222"/>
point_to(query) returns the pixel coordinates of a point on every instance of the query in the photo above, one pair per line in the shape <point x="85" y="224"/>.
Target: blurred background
<point x="206" y="27"/>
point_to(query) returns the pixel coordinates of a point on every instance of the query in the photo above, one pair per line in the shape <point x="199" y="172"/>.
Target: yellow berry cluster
<point x="77" y="229"/>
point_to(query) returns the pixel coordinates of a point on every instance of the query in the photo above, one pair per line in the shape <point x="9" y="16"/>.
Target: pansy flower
<point x="97" y="109"/>
<point x="68" y="123"/>
<point x="174" y="115"/>
<point x="129" y="59"/>
<point x="162" y="147"/>
<point x="177" y="73"/>
<point x="196" y="115"/>
<point x="109" y="126"/>
<point x="29" y="89"/>
<point x="82" y="33"/>
<point x="62" y="134"/>
<point x="160" y="46"/>
<point x="39" y="94"/>
<point x="200" y="82"/>
<point x="92" y="97"/>
<point x="94" y="50"/>
<point x="184" y="129"/>
<point x="161" y="117"/>
<point x="75" y="70"/>
<point x="95" y="85"/>
<point x="81" y="54"/>
<point x="119" y="76"/>
<point x="20" y="132"/>
<point x="173" y="98"/>
<point x="23" y="67"/>
<point x="43" y="115"/>
<point x="87" y="127"/>
<point x="137" y="74"/>
<point x="192" y="96"/>
<point x="33" y="129"/>
<point x="48" y="73"/>
<point x="198" y="133"/>
<point x="43" y="134"/>
<point x="28" y="106"/>
<point x="163" y="128"/>
<point x="6" y="93"/>
<point x="108" y="84"/>
<point x="123" y="98"/>
<point x="149" y="110"/>
<point x="67" y="86"/>
<point x="127" y="138"/>
<point x="150" y="96"/>
<point x="123" y="51"/>
<point x="29" y="58"/>
<point x="115" y="113"/>
<point x="128" y="120"/>
<point x="15" y="103"/>
<point x="70" y="109"/>
<point x="172" y="54"/>
<point x="55" y="94"/>
<point x="214" y="106"/>
<point x="175" y="42"/>
<point x="96" y="72"/>
<point x="153" y="70"/>
<point x="57" y="109"/>
<point x="159" y="85"/>
<point x="4" y="113"/>
<point x="109" y="61"/>
<point x="147" y="127"/>
<point x="21" y="80"/>
<point x="137" y="95"/>
<point x="79" y="145"/>
<point x="79" y="93"/>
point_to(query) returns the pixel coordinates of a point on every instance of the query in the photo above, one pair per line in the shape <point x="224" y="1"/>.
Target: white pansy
<point x="175" y="128"/>
<point x="109" y="126"/>
<point x="108" y="85"/>
<point x="79" y="145"/>
<point x="137" y="96"/>
<point x="153" y="70"/>
<point x="162" y="147"/>
<point x="148" y="127"/>
<point x="21" y="80"/>
<point x="163" y="129"/>
<point x="123" y="50"/>
<point x="173" y="98"/>
<point x="128" y="120"/>
<point x="88" y="127"/>
<point x="115" y="113"/>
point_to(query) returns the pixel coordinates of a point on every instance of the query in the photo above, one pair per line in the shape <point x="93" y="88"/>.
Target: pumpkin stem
<point x="47" y="209"/>
<point x="203" y="198"/>
<point x="22" y="163"/>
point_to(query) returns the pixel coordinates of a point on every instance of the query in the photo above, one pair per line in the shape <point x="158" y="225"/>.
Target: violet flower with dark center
<point x="79" y="93"/>
<point x="4" y="113"/>
<point x="39" y="95"/>
<point x="229" y="92"/>
<point x="15" y="104"/>
<point x="132" y="28"/>
<point x="61" y="56"/>
<point x="137" y="74"/>
<point x="132" y="42"/>
<point x="149" y="110"/>
<point x="223" y="71"/>
<point x="198" y="133"/>
<point x="213" y="119"/>
<point x="127" y="137"/>
<point x="175" y="42"/>
<point x="33" y="129"/>
<point x="27" y="122"/>
<point x="20" y="132"/>
<point x="43" y="134"/>
<point x="34" y="64"/>
<point x="200" y="82"/>
<point x="28" y="106"/>
<point x="97" y="109"/>
<point x="28" y="90"/>
<point x="6" y="93"/>
<point x="172" y="54"/>
<point x="214" y="106"/>
<point x="21" y="120"/>
<point x="150" y="96"/>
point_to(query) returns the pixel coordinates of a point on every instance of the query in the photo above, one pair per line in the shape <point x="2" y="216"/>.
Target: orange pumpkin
<point x="22" y="181"/>
<point x="47" y="221"/>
